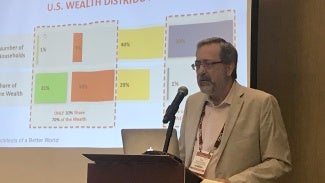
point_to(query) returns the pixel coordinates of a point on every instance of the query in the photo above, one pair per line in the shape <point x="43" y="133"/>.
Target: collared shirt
<point x="214" y="120"/>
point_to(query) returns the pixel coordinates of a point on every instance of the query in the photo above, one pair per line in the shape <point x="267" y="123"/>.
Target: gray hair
<point x="228" y="53"/>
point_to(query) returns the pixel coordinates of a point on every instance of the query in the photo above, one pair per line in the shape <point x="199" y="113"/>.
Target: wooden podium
<point x="109" y="168"/>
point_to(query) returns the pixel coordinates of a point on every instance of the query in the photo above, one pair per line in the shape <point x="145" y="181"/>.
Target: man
<point x="231" y="133"/>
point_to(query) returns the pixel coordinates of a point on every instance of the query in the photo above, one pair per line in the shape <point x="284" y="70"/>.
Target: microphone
<point x="173" y="107"/>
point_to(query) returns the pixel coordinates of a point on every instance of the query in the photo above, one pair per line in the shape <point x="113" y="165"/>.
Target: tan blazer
<point x="254" y="146"/>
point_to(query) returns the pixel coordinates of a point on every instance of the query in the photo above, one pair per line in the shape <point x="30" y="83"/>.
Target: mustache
<point x="204" y="78"/>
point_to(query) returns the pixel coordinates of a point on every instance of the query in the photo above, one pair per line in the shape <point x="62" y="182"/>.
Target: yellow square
<point x="133" y="84"/>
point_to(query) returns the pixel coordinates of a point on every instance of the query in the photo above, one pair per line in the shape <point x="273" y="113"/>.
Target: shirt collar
<point x="227" y="101"/>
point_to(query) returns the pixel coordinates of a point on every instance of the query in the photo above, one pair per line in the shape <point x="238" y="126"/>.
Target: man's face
<point x="212" y="77"/>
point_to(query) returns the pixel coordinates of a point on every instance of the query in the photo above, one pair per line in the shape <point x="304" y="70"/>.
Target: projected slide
<point x="74" y="66"/>
<point x="74" y="73"/>
<point x="182" y="33"/>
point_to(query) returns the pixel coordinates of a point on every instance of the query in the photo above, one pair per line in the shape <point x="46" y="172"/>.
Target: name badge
<point x="200" y="162"/>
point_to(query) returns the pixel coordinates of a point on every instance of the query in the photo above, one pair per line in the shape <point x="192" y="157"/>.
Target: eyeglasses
<point x="204" y="63"/>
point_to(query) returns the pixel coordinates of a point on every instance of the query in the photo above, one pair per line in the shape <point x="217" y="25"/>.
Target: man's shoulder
<point x="252" y="92"/>
<point x="197" y="96"/>
<point x="256" y="96"/>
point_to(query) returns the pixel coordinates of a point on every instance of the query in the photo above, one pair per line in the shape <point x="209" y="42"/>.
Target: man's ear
<point x="230" y="68"/>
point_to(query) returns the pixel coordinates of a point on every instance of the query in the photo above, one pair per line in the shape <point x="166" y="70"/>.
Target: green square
<point x="51" y="88"/>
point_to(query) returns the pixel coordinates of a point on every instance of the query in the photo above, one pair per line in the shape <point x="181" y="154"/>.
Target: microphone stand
<point x="169" y="133"/>
<point x="167" y="140"/>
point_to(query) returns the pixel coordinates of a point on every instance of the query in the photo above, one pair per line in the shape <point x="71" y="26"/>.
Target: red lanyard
<point x="218" y="141"/>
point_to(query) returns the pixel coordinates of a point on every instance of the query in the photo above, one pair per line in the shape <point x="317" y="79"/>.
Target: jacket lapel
<point x="235" y="108"/>
<point x="195" y="124"/>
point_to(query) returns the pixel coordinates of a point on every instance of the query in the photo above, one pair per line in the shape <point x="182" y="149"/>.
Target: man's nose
<point x="201" y="70"/>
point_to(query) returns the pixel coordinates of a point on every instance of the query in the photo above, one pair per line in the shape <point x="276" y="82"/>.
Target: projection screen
<point x="74" y="73"/>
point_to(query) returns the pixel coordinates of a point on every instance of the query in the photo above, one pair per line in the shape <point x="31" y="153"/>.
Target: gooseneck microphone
<point x="173" y="107"/>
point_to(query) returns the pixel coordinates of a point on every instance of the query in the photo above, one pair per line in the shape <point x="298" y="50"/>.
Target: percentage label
<point x="77" y="47"/>
<point x="68" y="112"/>
<point x="174" y="83"/>
<point x="83" y="86"/>
<point x="125" y="44"/>
<point x="45" y="87"/>
<point x="180" y="41"/>
<point x="124" y="84"/>
<point x="55" y="119"/>
<point x="43" y="49"/>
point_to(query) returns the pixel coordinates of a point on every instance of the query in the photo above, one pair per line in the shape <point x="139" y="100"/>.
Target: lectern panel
<point x="135" y="173"/>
